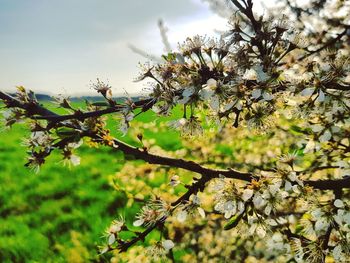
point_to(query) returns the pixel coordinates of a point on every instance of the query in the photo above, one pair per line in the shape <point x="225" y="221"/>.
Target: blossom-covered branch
<point x="251" y="78"/>
<point x="192" y="166"/>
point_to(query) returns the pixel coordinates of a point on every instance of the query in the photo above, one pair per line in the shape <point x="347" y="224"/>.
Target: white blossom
<point x="181" y="216"/>
<point x="256" y="73"/>
<point x="338" y="254"/>
<point x="168" y="244"/>
<point x="174" y="180"/>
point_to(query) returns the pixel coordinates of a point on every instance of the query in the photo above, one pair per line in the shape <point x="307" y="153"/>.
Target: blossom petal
<point x="338" y="203"/>
<point x="214" y="103"/>
<point x="188" y="92"/>
<point x="168" y="244"/>
<point x="247" y="194"/>
<point x="267" y="96"/>
<point x="326" y="136"/>
<point x="201" y="212"/>
<point x="260" y="230"/>
<point x="307" y="91"/>
<point x="261" y="75"/>
<point x="74" y="159"/>
<point x="181" y="216"/>
<point x="211" y="83"/>
<point x="256" y="93"/>
<point x="111" y="239"/>
<point x="321" y="96"/>
<point x="206" y="93"/>
<point x="288" y="186"/>
<point x="321" y="224"/>
<point x="138" y="222"/>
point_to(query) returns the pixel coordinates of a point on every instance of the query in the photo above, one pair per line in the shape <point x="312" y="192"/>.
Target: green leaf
<point x="299" y="229"/>
<point x="169" y="57"/>
<point x="100" y="103"/>
<point x="67" y="132"/>
<point x="233" y="222"/>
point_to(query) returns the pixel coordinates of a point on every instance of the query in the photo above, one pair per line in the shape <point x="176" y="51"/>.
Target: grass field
<point x="59" y="214"/>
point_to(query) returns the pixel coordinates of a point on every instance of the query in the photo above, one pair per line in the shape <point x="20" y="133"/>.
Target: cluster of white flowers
<point x="12" y="116"/>
<point x="152" y="212"/>
<point x="190" y="209"/>
<point x="160" y="249"/>
<point x="277" y="244"/>
<point x="38" y="139"/>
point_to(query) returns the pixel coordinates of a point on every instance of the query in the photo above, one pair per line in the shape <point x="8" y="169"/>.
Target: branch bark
<point x="174" y="162"/>
<point x="329" y="43"/>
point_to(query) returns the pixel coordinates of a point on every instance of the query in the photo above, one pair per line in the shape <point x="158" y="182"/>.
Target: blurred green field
<point x="59" y="214"/>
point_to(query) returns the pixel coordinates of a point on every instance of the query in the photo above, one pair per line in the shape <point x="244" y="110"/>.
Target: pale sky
<point x="56" y="46"/>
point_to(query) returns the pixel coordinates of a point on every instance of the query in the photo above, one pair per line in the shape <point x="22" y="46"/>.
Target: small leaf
<point x="100" y="103"/>
<point x="299" y="229"/>
<point x="233" y="222"/>
<point x="67" y="132"/>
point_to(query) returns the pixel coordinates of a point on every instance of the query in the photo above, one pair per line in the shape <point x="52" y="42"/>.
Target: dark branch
<point x="38" y="112"/>
<point x="124" y="246"/>
<point x="329" y="43"/>
<point x="173" y="162"/>
<point x="193" y="189"/>
<point x="144" y="104"/>
<point x="256" y="25"/>
<point x="330" y="184"/>
<point x="180" y="163"/>
<point x="213" y="173"/>
<point x="31" y="108"/>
